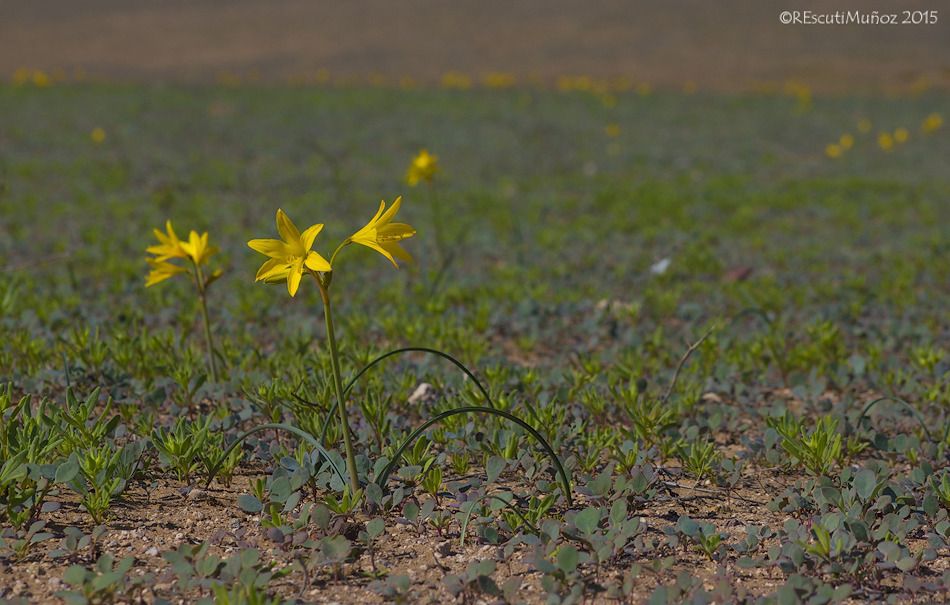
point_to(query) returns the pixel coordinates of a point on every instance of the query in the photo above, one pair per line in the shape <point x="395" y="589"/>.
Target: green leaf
<point x="75" y="575"/>
<point x="890" y="550"/>
<point x="586" y="521"/>
<point x="494" y="467"/>
<point x="375" y="528"/>
<point x="567" y="559"/>
<point x="249" y="503"/>
<point x="865" y="483"/>
<point x="68" y="470"/>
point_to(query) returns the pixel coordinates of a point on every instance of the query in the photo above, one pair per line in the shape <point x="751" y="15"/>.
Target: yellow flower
<point x="901" y="135"/>
<point x="833" y="150"/>
<point x="885" y="141"/>
<point x="846" y="141"/>
<point x="423" y="168"/>
<point x="864" y="125"/>
<point x="612" y="130"/>
<point x="170" y="246"/>
<point x="161" y="270"/>
<point x="197" y="247"/>
<point x="196" y="250"/>
<point x="932" y="123"/>
<point x="384" y="236"/>
<point x="97" y="135"/>
<point x="290" y="255"/>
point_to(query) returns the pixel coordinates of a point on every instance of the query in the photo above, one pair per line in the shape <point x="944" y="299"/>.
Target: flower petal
<point x="273" y="248"/>
<point x="309" y="235"/>
<point x="315" y="262"/>
<point x="394" y="231"/>
<point x="271" y="270"/>
<point x="388" y="216"/>
<point x="286" y="228"/>
<point x="294" y="275"/>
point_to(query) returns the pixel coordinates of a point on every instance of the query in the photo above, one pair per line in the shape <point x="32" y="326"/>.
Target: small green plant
<point x="818" y="450"/>
<point x="181" y="446"/>
<point x="699" y="460"/>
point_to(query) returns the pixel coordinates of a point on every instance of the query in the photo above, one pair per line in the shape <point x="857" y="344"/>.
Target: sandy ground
<point x="714" y="45"/>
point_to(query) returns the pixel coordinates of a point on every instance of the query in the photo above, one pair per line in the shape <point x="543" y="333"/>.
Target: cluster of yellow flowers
<point x="37" y="77"/>
<point x="169" y="248"/>
<point x="835" y="150"/>
<point x="886" y="140"/>
<point x="291" y="256"/>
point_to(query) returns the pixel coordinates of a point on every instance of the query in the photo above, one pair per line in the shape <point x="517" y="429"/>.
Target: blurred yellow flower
<point x="864" y="125"/>
<point x="885" y="141"/>
<point x="160" y="271"/>
<point x="289" y="256"/>
<point x="455" y="79"/>
<point x="846" y="141"/>
<point x="197" y="247"/>
<point x="423" y="168"/>
<point x="494" y="79"/>
<point x="97" y="135"/>
<point x="932" y="123"/>
<point x="901" y="135"/>
<point x="40" y="79"/>
<point x="169" y="245"/>
<point x="833" y="150"/>
<point x="612" y="130"/>
<point x="384" y="236"/>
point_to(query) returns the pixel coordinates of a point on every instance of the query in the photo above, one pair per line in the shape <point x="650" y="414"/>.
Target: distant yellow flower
<point x="169" y="246"/>
<point x="197" y="247"/>
<point x="932" y="123"/>
<point x="496" y="79"/>
<point x="289" y="256"/>
<point x="864" y="125"/>
<point x="885" y="141"/>
<point x="97" y="135"/>
<point x="901" y="135"/>
<point x="846" y="141"/>
<point x="612" y="130"/>
<point x="160" y="271"/>
<point x="423" y="168"/>
<point x="455" y="79"/>
<point x="833" y="151"/>
<point x="40" y="79"/>
<point x="384" y="236"/>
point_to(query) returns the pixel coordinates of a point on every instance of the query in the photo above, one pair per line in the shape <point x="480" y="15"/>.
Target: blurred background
<point x="724" y="45"/>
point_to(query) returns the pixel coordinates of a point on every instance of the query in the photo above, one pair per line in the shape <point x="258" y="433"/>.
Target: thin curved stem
<point x="283" y="427"/>
<point x="913" y="410"/>
<point x="565" y="480"/>
<point x="349" y="386"/>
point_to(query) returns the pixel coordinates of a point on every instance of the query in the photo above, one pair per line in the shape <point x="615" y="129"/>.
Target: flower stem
<point x="203" y="301"/>
<point x="338" y="385"/>
<point x="436" y="221"/>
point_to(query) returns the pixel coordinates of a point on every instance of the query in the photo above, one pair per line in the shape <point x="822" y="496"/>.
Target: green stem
<point x="203" y="301"/>
<point x="436" y="221"/>
<point x="338" y="385"/>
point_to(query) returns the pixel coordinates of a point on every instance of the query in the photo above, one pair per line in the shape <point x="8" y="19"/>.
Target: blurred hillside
<point x="716" y="45"/>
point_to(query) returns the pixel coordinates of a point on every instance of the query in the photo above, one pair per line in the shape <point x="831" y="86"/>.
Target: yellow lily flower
<point x="161" y="270"/>
<point x="197" y="247"/>
<point x="290" y="254"/>
<point x="169" y="246"/>
<point x="384" y="236"/>
<point x="423" y="168"/>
